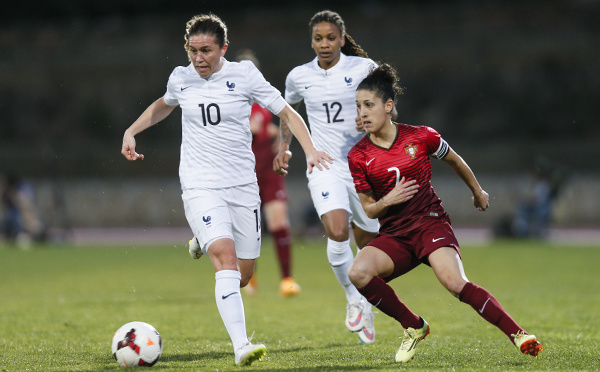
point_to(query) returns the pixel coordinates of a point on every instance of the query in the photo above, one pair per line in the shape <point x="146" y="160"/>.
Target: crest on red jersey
<point x="411" y="150"/>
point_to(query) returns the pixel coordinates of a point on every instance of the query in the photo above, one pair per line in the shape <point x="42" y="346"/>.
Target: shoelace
<point x="353" y="310"/>
<point x="408" y="340"/>
<point x="519" y="334"/>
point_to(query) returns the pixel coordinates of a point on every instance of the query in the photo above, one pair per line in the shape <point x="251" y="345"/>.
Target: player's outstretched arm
<point x="481" y="199"/>
<point x="314" y="156"/>
<point x="156" y="112"/>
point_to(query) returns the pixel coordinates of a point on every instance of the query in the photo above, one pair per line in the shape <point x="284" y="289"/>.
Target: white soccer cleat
<point x="248" y="353"/>
<point x="528" y="344"/>
<point x="195" y="250"/>
<point x="411" y="338"/>
<point x="354" y="316"/>
<point x="367" y="333"/>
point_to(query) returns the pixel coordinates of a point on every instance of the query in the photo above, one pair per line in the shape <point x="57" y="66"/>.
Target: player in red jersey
<point x="272" y="190"/>
<point x="391" y="169"/>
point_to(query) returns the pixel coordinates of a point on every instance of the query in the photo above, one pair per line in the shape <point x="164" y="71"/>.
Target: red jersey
<point x="262" y="143"/>
<point x="377" y="170"/>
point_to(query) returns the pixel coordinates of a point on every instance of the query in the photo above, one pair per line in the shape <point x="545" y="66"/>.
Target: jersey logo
<point x="231" y="86"/>
<point x="369" y="162"/>
<point x="308" y="86"/>
<point x="411" y="150"/>
<point x="184" y="88"/>
<point x="225" y="296"/>
<point x="207" y="220"/>
<point x="325" y="194"/>
<point x="348" y="81"/>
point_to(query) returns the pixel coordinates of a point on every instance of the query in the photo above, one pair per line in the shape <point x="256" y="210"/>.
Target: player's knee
<point x="454" y="285"/>
<point x="338" y="233"/>
<point x="359" y="274"/>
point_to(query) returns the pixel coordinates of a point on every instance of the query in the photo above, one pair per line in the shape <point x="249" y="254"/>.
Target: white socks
<point x="340" y="258"/>
<point x="230" y="305"/>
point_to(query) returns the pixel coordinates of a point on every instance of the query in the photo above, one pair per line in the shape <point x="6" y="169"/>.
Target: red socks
<point x="282" y="239"/>
<point x="383" y="297"/>
<point x="489" y="308"/>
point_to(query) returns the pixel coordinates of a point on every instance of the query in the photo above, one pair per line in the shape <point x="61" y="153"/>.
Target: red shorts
<point x="271" y="186"/>
<point x="411" y="250"/>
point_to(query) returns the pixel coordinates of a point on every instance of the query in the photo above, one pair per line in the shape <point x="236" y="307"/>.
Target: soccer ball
<point x="136" y="344"/>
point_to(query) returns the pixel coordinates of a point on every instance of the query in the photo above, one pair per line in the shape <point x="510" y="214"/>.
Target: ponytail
<point x="382" y="80"/>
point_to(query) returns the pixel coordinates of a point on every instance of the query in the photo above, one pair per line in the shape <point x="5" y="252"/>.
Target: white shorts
<point x="329" y="191"/>
<point x="232" y="212"/>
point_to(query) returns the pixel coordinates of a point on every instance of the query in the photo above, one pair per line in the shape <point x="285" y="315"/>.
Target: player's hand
<point x="359" y="125"/>
<point x="481" y="200"/>
<point x="401" y="193"/>
<point x="128" y="148"/>
<point x="281" y="162"/>
<point x="318" y="159"/>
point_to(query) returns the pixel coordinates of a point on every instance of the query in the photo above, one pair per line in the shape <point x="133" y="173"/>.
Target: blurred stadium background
<point x="506" y="83"/>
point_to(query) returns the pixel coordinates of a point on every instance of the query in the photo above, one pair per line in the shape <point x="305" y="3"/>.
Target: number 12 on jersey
<point x="336" y="108"/>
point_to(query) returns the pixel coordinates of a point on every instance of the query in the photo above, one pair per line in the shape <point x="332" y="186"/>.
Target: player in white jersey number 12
<point x="327" y="85"/>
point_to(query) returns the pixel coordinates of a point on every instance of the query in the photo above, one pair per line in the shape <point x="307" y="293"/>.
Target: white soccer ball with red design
<point x="137" y="344"/>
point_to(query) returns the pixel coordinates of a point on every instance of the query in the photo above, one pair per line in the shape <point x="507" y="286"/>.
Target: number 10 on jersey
<point x="210" y="114"/>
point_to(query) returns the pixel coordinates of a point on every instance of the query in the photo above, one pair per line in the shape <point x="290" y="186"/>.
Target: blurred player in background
<point x="273" y="192"/>
<point x="19" y="213"/>
<point x="327" y="86"/>
<point x="216" y="171"/>
<point x="392" y="173"/>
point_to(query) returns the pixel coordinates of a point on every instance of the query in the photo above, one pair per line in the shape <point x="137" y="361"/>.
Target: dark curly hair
<point x="383" y="80"/>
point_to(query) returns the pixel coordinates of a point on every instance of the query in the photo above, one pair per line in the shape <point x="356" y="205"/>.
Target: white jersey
<point x="330" y="100"/>
<point x="216" y="141"/>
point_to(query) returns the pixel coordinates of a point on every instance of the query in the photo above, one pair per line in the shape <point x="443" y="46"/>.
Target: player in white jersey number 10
<point x="216" y="169"/>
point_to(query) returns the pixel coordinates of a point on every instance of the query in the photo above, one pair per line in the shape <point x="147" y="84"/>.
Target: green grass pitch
<point x="60" y="305"/>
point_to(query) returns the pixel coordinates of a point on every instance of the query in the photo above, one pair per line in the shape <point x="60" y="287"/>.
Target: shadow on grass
<point x="317" y="366"/>
<point x="190" y="357"/>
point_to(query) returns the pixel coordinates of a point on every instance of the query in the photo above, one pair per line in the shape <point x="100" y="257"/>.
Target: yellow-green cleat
<point x="411" y="338"/>
<point x="248" y="353"/>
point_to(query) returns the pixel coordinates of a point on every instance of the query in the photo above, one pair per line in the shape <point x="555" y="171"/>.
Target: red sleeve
<point x="433" y="140"/>
<point x="359" y="172"/>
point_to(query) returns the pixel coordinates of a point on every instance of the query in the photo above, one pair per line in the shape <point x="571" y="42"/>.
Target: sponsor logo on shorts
<point x="325" y="194"/>
<point x="435" y="240"/>
<point x="207" y="220"/>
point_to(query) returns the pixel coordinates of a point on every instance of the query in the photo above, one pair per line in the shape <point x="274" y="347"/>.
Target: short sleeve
<point x="292" y="96"/>
<point x="359" y="174"/>
<point x="436" y="146"/>
<point x="263" y="92"/>
<point x="169" y="97"/>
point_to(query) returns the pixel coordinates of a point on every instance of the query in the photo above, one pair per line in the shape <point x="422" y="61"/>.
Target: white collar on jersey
<point x="343" y="58"/>
<point x="214" y="75"/>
